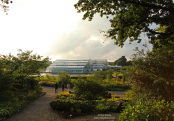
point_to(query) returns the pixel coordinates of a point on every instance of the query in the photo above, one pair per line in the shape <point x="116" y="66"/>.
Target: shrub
<point x="102" y="108"/>
<point x="129" y="94"/>
<point x="89" y="90"/>
<point x="148" y="111"/>
<point x="64" y="78"/>
<point x="17" y="102"/>
<point x="71" y="106"/>
<point x="45" y="83"/>
<point x="152" y="75"/>
<point x="64" y="95"/>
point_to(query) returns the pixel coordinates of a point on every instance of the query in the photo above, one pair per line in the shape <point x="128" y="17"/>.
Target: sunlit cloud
<point x="54" y="28"/>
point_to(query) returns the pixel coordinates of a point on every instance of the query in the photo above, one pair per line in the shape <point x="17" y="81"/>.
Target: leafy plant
<point x="89" y="90"/>
<point x="148" y="111"/>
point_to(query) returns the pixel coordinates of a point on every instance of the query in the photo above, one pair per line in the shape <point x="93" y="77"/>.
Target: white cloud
<point x="54" y="28"/>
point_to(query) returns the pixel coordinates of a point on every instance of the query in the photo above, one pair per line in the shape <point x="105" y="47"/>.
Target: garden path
<point x="39" y="110"/>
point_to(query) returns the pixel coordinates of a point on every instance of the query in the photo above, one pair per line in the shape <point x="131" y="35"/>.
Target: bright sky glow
<point x="54" y="28"/>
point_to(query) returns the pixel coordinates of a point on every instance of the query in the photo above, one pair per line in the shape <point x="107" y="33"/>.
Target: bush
<point x="45" y="83"/>
<point x="102" y="108"/>
<point x="64" y="78"/>
<point x="71" y="106"/>
<point x="148" y="111"/>
<point x="10" y="108"/>
<point x="15" y="105"/>
<point x="89" y="90"/>
<point x="129" y="94"/>
<point x="64" y="95"/>
<point x="152" y="75"/>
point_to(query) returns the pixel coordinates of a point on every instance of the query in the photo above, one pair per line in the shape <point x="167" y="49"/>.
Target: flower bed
<point x="67" y="104"/>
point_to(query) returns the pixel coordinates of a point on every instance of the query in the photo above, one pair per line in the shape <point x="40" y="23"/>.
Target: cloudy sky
<point x="54" y="28"/>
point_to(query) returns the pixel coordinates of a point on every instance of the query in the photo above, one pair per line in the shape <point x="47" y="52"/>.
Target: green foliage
<point x="17" y="103"/>
<point x="115" y="86"/>
<point x="129" y="94"/>
<point x="8" y="109"/>
<point x="47" y="78"/>
<point x="148" y="111"/>
<point x="102" y="107"/>
<point x="104" y="78"/>
<point x="102" y="75"/>
<point x="89" y="90"/>
<point x="24" y="64"/>
<point x="109" y="73"/>
<point x="18" y="70"/>
<point x="64" y="77"/>
<point x="47" y="83"/>
<point x="122" y="62"/>
<point x="129" y="18"/>
<point x="51" y="80"/>
<point x="6" y="82"/>
<point x="70" y="104"/>
<point x="17" y="80"/>
<point x="152" y="75"/>
<point x="74" y="107"/>
<point x="152" y="80"/>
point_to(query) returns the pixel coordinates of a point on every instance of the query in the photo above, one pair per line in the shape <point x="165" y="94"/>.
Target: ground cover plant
<point x="148" y="111"/>
<point x="17" y="103"/>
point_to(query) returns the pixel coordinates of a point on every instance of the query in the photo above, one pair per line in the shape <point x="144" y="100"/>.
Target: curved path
<point x="40" y="110"/>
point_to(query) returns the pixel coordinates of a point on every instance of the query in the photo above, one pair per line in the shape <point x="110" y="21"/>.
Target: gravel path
<point x="39" y="110"/>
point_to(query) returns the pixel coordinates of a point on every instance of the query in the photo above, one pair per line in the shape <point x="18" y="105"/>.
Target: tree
<point x="121" y="61"/>
<point x="23" y="68"/>
<point x="152" y="74"/>
<point x="129" y="18"/>
<point x="6" y="82"/>
<point x="102" y="75"/>
<point x="89" y="89"/>
<point x="151" y="77"/>
<point x="109" y="73"/>
<point x="63" y="77"/>
<point x="5" y="5"/>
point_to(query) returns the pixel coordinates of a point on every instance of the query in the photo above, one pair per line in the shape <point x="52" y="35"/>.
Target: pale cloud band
<point x="54" y="28"/>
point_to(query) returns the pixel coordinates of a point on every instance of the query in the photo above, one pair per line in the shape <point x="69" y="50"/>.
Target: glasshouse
<point x="77" y="66"/>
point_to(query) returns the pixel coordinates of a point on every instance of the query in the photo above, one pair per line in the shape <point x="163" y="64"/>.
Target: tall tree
<point x="129" y="18"/>
<point x="121" y="61"/>
<point x="152" y="74"/>
<point x="151" y="77"/>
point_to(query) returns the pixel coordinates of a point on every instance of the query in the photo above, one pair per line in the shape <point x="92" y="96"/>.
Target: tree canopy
<point x="5" y="4"/>
<point x="89" y="89"/>
<point x="18" y="71"/>
<point x="129" y="18"/>
<point x="152" y="74"/>
<point x="122" y="62"/>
